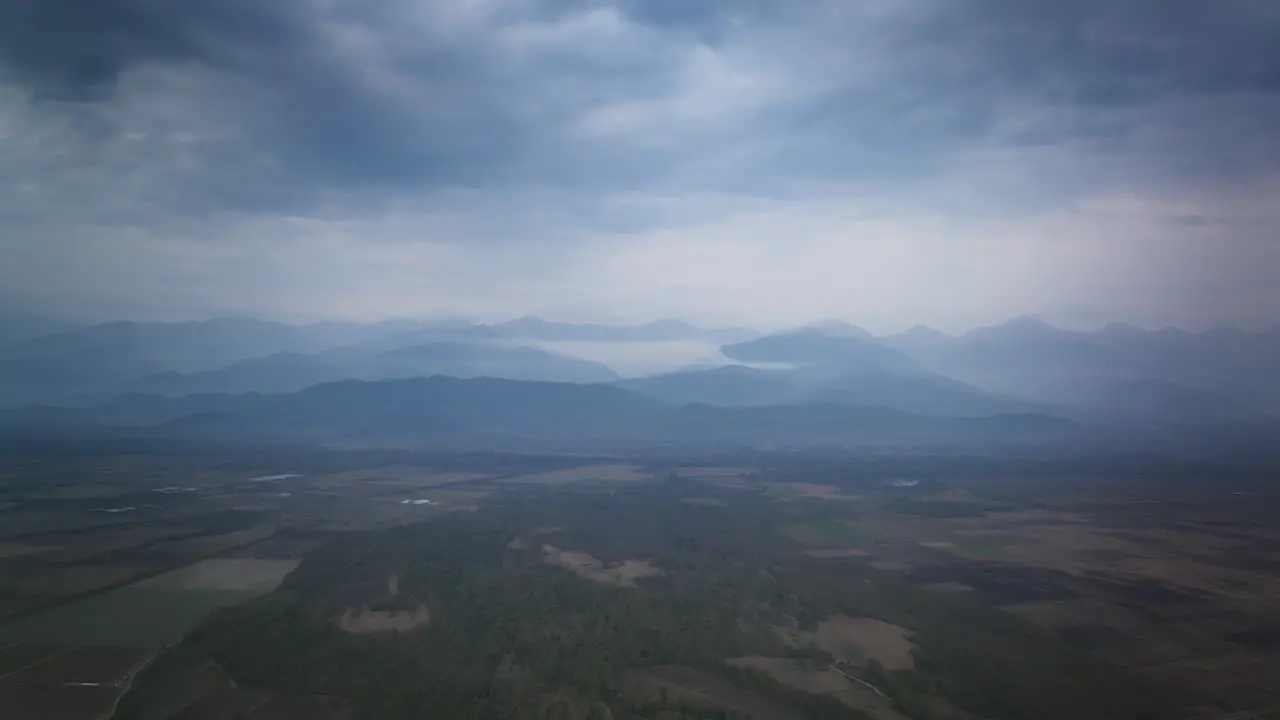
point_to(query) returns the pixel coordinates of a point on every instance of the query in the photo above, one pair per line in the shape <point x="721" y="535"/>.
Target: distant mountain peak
<point x="1029" y="321"/>
<point x="1223" y="332"/>
<point x="836" y="327"/>
<point x="923" y="332"/>
<point x="1122" y="330"/>
<point x="1023" y="325"/>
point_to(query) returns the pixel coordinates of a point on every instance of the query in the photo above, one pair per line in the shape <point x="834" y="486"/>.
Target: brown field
<point x="858" y="640"/>
<point x="623" y="574"/>
<point x="826" y="681"/>
<point x="224" y="574"/>
<point x="585" y="474"/>
<point x="706" y="691"/>
<point x="213" y="544"/>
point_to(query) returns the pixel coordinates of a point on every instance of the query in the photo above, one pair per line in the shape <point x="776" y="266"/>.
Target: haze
<point x="745" y="162"/>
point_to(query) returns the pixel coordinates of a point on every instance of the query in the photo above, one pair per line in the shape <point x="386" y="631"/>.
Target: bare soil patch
<point x="623" y="574"/>
<point x="821" y="681"/>
<point x="948" y="588"/>
<point x="859" y="640"/>
<point x="363" y="620"/>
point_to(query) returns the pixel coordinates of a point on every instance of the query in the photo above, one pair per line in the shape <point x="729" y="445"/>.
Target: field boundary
<point x="147" y="575"/>
<point x="133" y="675"/>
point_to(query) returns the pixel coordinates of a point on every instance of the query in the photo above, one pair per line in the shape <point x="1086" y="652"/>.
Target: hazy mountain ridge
<point x="1033" y="359"/>
<point x="1119" y="372"/>
<point x="225" y="354"/>
<point x="288" y="372"/>
<point x="815" y="346"/>
<point x="441" y="409"/>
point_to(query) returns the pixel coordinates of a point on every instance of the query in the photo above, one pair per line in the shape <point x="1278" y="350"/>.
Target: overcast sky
<point x="767" y="162"/>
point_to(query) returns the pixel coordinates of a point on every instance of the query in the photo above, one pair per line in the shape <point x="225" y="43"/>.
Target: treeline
<point x="509" y="635"/>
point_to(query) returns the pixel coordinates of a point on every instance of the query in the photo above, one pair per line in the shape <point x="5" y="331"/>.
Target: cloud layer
<point x="746" y="161"/>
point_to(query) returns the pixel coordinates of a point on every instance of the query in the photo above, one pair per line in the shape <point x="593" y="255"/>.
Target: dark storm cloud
<point x="1108" y="72"/>
<point x="76" y="49"/>
<point x="313" y="107"/>
<point x="326" y="113"/>
<point x="338" y="95"/>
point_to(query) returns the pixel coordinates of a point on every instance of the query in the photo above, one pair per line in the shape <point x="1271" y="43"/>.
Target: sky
<point x="758" y="162"/>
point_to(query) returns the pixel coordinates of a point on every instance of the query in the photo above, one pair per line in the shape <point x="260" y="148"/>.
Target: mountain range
<point x="829" y="382"/>
<point x="89" y="363"/>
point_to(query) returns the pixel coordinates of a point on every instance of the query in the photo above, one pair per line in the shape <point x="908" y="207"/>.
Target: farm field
<point x="1149" y="588"/>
